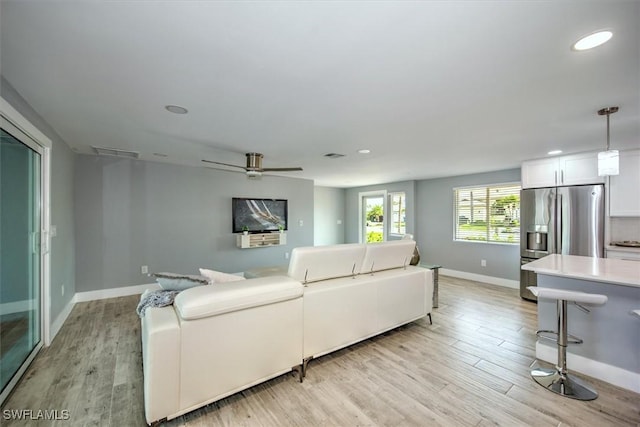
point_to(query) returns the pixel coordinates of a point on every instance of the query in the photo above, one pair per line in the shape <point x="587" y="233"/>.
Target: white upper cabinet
<point x="576" y="169"/>
<point x="624" y="189"/>
<point x="540" y="173"/>
<point x="579" y="169"/>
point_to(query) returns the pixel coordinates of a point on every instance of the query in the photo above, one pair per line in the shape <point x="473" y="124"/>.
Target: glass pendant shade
<point x="608" y="163"/>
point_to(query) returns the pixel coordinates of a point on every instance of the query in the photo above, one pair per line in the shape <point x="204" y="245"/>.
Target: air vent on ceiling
<point x="334" y="155"/>
<point x="115" y="152"/>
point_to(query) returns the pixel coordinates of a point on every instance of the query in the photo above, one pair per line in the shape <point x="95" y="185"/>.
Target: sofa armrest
<point x="161" y="362"/>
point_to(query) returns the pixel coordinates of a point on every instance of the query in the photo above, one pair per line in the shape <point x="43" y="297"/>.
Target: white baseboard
<point x="114" y="292"/>
<point x="612" y="374"/>
<point x="507" y="283"/>
<point x="56" y="325"/>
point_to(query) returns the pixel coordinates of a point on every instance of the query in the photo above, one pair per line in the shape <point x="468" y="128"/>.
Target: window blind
<point x="487" y="213"/>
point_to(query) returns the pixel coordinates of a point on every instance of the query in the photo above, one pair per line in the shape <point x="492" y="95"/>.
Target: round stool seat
<point x="564" y="295"/>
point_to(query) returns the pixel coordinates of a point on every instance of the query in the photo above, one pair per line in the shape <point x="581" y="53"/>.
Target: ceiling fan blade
<point x="224" y="164"/>
<point x="281" y="169"/>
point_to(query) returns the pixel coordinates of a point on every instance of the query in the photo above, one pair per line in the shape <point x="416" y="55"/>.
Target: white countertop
<point x="606" y="270"/>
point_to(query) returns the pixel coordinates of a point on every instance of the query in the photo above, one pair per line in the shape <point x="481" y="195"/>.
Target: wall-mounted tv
<point x="259" y="215"/>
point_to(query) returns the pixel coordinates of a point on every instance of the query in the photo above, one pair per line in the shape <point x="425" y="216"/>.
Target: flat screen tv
<point x="259" y="215"/>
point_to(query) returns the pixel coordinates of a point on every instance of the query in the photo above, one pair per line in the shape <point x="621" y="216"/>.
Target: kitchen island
<point x="611" y="333"/>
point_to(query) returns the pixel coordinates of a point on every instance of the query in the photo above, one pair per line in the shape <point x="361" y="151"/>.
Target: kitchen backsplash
<point x="624" y="229"/>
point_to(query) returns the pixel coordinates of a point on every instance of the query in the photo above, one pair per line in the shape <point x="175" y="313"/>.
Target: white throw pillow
<point x="219" y="276"/>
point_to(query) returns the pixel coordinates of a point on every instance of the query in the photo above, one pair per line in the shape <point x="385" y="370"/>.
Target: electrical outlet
<point x="286" y="255"/>
<point x="483" y="263"/>
<point x="300" y="223"/>
<point x="144" y="269"/>
<point x="62" y="289"/>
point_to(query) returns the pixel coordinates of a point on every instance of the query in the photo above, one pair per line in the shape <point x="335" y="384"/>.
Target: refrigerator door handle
<point x="559" y="224"/>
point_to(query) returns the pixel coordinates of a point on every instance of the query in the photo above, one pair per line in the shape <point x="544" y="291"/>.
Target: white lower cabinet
<point x="630" y="256"/>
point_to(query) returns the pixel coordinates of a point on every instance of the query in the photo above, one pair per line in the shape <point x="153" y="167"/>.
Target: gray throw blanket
<point x="159" y="298"/>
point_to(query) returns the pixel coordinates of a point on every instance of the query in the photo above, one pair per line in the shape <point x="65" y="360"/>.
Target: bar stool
<point x="558" y="380"/>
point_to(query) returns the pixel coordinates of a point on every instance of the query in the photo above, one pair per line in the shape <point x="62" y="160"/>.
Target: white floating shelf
<point x="260" y="240"/>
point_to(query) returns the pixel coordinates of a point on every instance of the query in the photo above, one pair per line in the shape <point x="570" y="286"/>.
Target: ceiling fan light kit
<point x="608" y="161"/>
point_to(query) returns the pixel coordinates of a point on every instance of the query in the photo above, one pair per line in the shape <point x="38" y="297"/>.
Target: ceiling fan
<point x="254" y="167"/>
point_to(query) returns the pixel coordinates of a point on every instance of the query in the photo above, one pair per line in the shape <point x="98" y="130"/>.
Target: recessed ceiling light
<point x="364" y="151"/>
<point x="592" y="40"/>
<point x="160" y="155"/>
<point x="176" y="109"/>
<point x="554" y="152"/>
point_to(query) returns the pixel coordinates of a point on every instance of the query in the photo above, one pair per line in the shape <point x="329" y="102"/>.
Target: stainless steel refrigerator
<point x="562" y="220"/>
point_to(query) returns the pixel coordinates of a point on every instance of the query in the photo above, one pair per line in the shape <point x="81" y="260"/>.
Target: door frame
<point x="38" y="142"/>
<point x="385" y="203"/>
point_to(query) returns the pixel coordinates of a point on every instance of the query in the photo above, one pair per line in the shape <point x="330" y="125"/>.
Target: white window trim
<point x="389" y="197"/>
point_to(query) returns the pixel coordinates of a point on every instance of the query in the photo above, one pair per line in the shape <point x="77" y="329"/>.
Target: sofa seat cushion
<point x="205" y="301"/>
<point x="315" y="263"/>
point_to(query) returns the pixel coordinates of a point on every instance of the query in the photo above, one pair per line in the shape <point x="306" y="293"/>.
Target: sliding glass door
<point x="20" y="254"/>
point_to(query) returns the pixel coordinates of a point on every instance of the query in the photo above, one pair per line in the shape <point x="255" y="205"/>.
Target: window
<point x="398" y="212"/>
<point x="488" y="213"/>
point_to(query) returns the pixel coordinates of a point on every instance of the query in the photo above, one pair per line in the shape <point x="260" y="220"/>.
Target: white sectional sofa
<point x="219" y="339"/>
<point x="354" y="291"/>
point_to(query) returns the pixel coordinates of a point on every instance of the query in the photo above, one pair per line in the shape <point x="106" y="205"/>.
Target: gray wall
<point x="172" y="218"/>
<point x="352" y="203"/>
<point x="328" y="216"/>
<point x="435" y="229"/>
<point x="62" y="166"/>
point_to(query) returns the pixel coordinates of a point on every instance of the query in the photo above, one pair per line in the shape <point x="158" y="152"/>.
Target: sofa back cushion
<point x="387" y="255"/>
<point x="315" y="263"/>
<point x="207" y="301"/>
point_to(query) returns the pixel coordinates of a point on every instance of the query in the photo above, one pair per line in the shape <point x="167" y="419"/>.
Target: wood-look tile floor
<point x="470" y="368"/>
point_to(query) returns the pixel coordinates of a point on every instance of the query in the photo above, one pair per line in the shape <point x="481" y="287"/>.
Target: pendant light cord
<point x="608" y="141"/>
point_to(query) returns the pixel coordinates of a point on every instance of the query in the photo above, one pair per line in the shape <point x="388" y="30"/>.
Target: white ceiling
<point x="432" y="88"/>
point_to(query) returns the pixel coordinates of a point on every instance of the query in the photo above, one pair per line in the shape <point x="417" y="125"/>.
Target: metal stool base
<point x="567" y="385"/>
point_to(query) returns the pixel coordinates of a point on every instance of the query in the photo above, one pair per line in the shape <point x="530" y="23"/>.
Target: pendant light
<point x="608" y="160"/>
